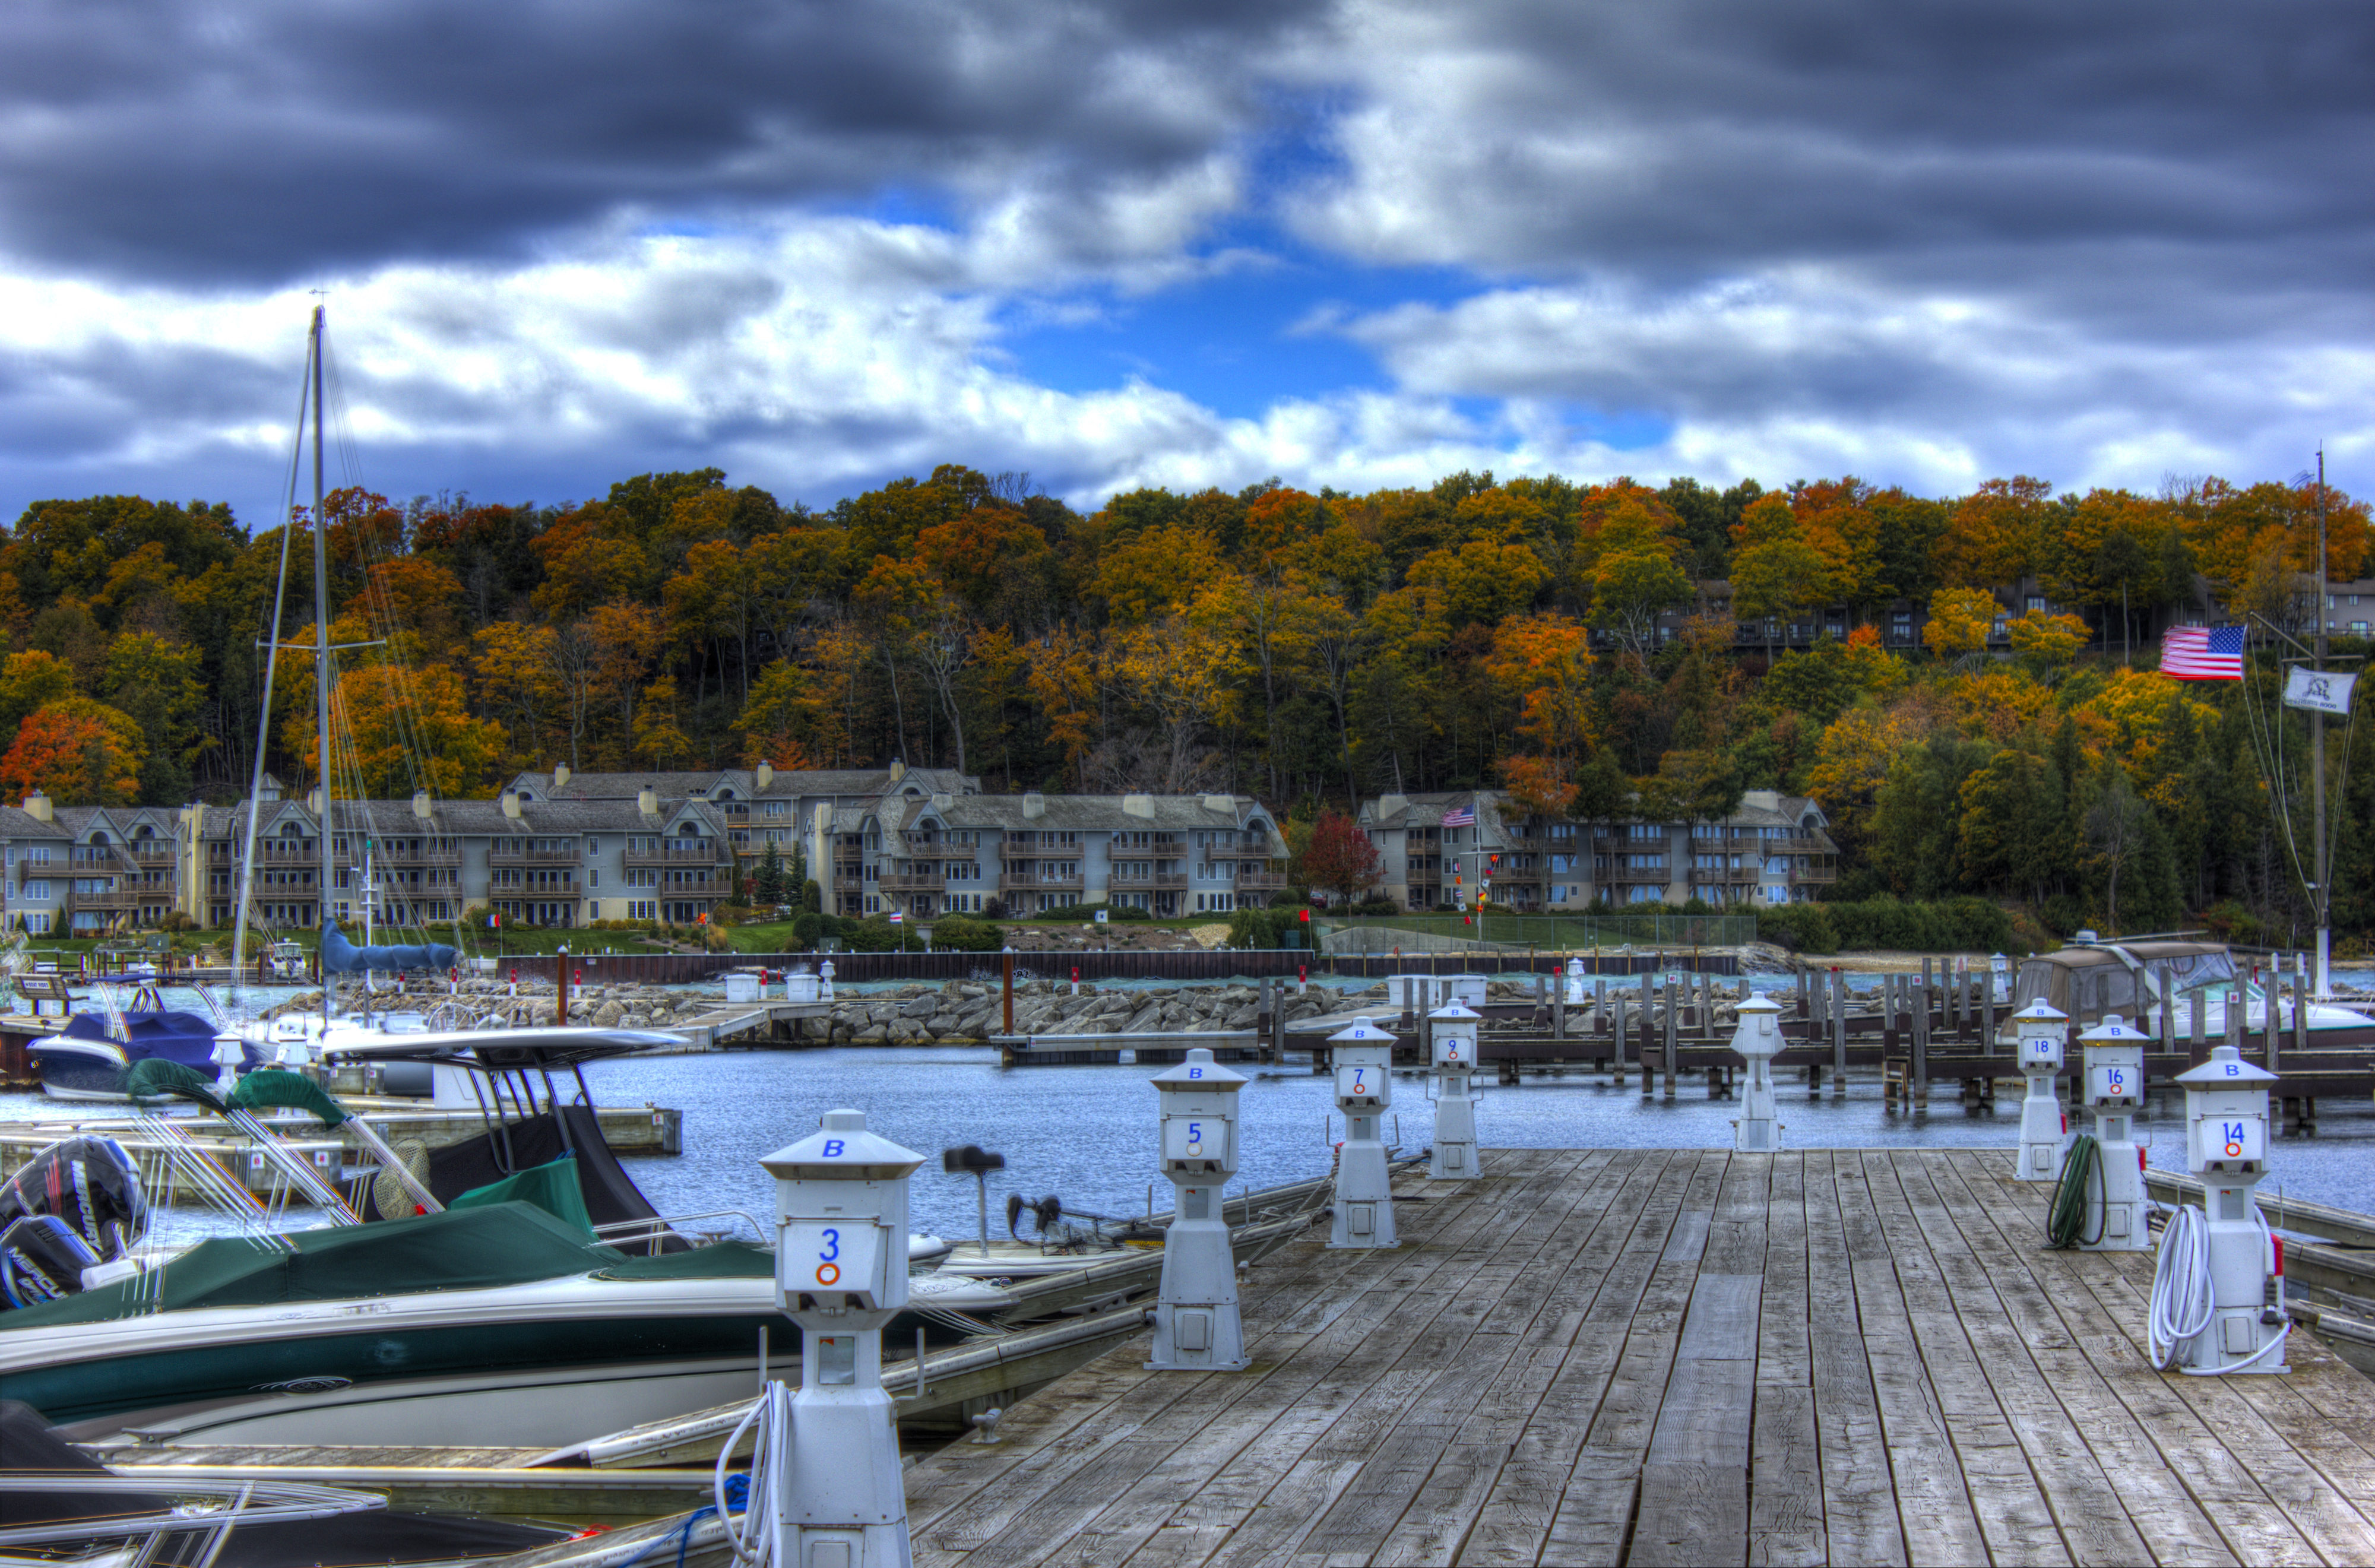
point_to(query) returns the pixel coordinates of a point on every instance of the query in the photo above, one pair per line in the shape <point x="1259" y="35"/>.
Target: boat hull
<point x="78" y="1069"/>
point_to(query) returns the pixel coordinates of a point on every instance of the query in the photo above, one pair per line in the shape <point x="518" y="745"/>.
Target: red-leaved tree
<point x="1341" y="860"/>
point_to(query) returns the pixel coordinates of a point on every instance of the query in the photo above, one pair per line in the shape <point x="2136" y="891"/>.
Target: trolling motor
<point x="978" y="1162"/>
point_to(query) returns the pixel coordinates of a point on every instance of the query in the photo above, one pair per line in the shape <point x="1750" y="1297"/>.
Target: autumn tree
<point x="1340" y="859"/>
<point x="77" y="751"/>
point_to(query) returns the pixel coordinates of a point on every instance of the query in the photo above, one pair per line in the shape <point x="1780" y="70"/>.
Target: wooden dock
<point x="1675" y="1356"/>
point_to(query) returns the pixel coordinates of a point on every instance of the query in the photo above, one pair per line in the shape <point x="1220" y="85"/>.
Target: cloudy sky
<point x="1184" y="242"/>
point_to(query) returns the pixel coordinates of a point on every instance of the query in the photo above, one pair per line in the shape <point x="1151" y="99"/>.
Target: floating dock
<point x="1664" y="1356"/>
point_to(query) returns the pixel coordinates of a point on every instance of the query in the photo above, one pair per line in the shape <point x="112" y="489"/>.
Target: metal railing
<point x="1565" y="933"/>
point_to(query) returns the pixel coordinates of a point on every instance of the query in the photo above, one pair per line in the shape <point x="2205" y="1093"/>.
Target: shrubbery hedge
<point x="1965" y="925"/>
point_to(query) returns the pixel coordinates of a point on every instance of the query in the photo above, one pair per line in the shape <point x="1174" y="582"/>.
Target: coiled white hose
<point x="2183" y="1296"/>
<point x="751" y="1536"/>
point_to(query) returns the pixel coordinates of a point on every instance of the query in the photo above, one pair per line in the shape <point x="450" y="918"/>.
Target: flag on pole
<point x="1460" y="816"/>
<point x="898" y="917"/>
<point x="2319" y="691"/>
<point x="2202" y="652"/>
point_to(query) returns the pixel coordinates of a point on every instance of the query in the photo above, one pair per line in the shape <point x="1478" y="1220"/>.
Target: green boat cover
<point x="278" y="1086"/>
<point x="465" y="1249"/>
<point x="725" y="1261"/>
<point x="551" y="1187"/>
<point x="155" y="1077"/>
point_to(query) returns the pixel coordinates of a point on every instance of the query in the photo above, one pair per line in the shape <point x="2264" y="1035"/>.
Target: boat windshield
<point x="2090" y="984"/>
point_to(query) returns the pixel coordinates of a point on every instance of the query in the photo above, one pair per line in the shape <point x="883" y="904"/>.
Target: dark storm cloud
<point x="1700" y="135"/>
<point x="262" y="140"/>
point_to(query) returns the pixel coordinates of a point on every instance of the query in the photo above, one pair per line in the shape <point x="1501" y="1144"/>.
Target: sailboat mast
<point x="321" y="670"/>
<point x="2319" y="856"/>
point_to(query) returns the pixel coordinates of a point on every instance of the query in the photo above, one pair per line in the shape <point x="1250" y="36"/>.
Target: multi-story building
<point x="1440" y="849"/>
<point x="925" y="854"/>
<point x="759" y="806"/>
<point x="562" y="850"/>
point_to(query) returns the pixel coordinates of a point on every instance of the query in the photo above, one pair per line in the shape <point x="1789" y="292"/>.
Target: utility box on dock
<point x="1364" y="1059"/>
<point x="1455" y="1156"/>
<point x="1196" y="1323"/>
<point x="2115" y="1091"/>
<point x="2237" y="1260"/>
<point x="2041" y="1029"/>
<point x="836" y="1489"/>
<point x="1758" y="1040"/>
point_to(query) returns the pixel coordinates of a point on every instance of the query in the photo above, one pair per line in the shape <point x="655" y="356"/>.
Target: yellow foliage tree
<point x="2048" y="642"/>
<point x="1960" y="619"/>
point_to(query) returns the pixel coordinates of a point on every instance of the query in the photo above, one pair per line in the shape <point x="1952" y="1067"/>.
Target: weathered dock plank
<point x="1644" y="1357"/>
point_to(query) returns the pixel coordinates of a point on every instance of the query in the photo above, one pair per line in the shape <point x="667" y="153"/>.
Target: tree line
<point x="1309" y="648"/>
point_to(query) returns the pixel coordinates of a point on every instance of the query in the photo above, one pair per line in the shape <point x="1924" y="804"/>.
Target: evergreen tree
<point x="771" y="877"/>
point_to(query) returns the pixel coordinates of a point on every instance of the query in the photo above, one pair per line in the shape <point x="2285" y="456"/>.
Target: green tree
<point x="770" y="879"/>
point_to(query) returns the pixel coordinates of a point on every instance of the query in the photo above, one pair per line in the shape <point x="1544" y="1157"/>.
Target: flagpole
<point x="2322" y="897"/>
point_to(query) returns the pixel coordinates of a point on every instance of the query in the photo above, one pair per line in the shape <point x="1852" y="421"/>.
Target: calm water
<point x="1087" y="1133"/>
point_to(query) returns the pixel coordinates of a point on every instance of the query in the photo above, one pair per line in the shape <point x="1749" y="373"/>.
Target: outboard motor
<point x="42" y="1259"/>
<point x="90" y="1188"/>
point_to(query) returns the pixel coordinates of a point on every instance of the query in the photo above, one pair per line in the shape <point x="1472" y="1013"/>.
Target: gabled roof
<point x="16" y="822"/>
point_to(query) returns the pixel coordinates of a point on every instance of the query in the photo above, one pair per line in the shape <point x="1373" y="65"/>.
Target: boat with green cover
<point x="492" y="1323"/>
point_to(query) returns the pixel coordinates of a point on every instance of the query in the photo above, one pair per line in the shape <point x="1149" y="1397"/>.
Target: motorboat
<point x="2141" y="981"/>
<point x="87" y="1059"/>
<point x="547" y="1303"/>
<point x="501" y="1323"/>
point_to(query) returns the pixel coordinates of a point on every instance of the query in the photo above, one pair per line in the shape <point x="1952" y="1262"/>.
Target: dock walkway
<point x="1651" y="1356"/>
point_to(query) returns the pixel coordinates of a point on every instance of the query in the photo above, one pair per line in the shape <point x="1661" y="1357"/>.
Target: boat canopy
<point x="462" y="1249"/>
<point x="2127" y="978"/>
<point x="543" y="1048"/>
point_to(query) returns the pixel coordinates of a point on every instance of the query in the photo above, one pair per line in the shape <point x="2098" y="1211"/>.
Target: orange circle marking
<point x="828" y="1274"/>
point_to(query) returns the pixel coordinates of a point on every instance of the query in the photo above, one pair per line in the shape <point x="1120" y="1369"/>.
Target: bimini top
<point x="2127" y="978"/>
<point x="502" y="1050"/>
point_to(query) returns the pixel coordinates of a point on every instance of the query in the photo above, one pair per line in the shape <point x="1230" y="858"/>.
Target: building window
<point x="593" y="878"/>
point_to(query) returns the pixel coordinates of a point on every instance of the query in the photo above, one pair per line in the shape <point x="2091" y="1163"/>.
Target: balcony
<point x="286" y="851"/>
<point x="676" y="851"/>
<point x="1259" y="878"/>
<point x="1009" y="850"/>
<point x="150" y="855"/>
<point x="1015" y="882"/>
<point x="1158" y="882"/>
<point x="532" y="856"/>
<point x="1637" y="875"/>
<point x="1716" y="876"/>
<point x="1248" y="848"/>
<point x="1818" y="875"/>
<point x="911" y="882"/>
<point x="115" y="899"/>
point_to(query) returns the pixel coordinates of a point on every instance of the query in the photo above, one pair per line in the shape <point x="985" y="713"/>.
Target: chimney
<point x="512" y="803"/>
<point x="560" y="776"/>
<point x="647" y="801"/>
<point x="764" y="774"/>
<point x="1139" y="806"/>
<point x="1034" y="804"/>
<point x="943" y="800"/>
<point x="898" y="770"/>
<point x="37" y="806"/>
<point x="1390" y="804"/>
<point x="423" y="805"/>
<point x="1228" y="803"/>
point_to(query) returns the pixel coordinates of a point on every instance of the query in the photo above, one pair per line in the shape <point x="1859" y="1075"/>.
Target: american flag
<point x="1459" y="816"/>
<point x="2202" y="652"/>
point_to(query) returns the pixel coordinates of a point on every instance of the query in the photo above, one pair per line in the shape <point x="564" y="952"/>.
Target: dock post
<point x="1673" y="1019"/>
<point x="1988" y="1017"/>
<point x="1559" y="1011"/>
<point x="2194" y="1053"/>
<point x="2300" y="1005"/>
<point x="1006" y="984"/>
<point x="1838" y="1032"/>
<point x="1920" y="1087"/>
<point x="1803" y="977"/>
<point x="1616" y="1022"/>
<point x="1262" y="1017"/>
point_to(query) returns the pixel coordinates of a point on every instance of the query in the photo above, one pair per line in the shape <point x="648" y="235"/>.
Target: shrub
<point x="1961" y="924"/>
<point x="807" y="926"/>
<point x="1377" y="905"/>
<point x="965" y="934"/>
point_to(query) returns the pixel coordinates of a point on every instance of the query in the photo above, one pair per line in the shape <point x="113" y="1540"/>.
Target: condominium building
<point x="1443" y="848"/>
<point x="946" y="853"/>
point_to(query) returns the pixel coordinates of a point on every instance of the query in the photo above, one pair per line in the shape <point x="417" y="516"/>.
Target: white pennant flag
<point x="2319" y="691"/>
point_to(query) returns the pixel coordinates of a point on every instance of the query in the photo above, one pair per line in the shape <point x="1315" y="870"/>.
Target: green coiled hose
<point x="2065" y="1218"/>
